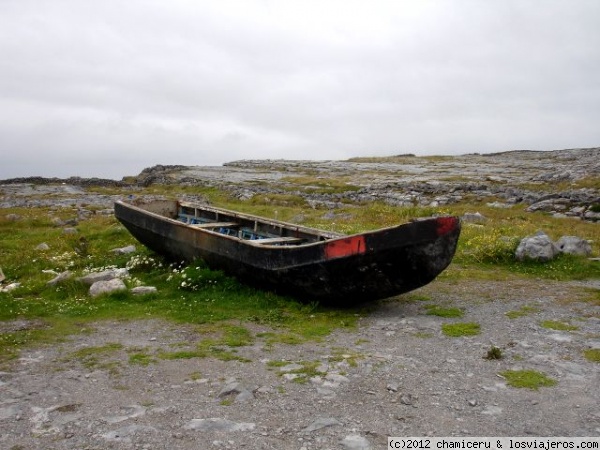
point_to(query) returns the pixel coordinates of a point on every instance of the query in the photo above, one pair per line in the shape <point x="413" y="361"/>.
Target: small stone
<point x="43" y="247"/>
<point x="10" y="287"/>
<point x="60" y="277"/>
<point x="105" y="275"/>
<point x="218" y="424"/>
<point x="291" y="367"/>
<point x="336" y="378"/>
<point x="574" y="245"/>
<point x="408" y="399"/>
<point x="232" y="388"/>
<point x="143" y="290"/>
<point x="124" y="250"/>
<point x="475" y="217"/>
<point x="244" y="396"/>
<point x="472" y="402"/>
<point x="539" y="247"/>
<point x="104" y="287"/>
<point x="320" y="423"/>
<point x="355" y="442"/>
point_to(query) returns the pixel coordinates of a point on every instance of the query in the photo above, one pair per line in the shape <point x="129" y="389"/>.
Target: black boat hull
<point x="339" y="271"/>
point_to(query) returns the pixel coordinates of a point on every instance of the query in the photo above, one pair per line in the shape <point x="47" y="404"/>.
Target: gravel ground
<point x="397" y="374"/>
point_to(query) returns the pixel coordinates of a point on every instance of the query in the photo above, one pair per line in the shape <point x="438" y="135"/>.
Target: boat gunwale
<point x="319" y="236"/>
<point x="244" y="216"/>
<point x="273" y="222"/>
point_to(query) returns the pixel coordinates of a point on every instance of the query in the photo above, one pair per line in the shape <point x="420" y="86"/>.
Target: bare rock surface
<point x="397" y="374"/>
<point x="544" y="181"/>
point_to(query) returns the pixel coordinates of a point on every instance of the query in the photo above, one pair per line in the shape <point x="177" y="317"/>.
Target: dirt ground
<point x="397" y="374"/>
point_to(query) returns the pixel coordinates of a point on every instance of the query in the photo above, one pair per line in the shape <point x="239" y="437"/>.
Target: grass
<point x="186" y="293"/>
<point x="193" y="294"/>
<point x="461" y="329"/>
<point x="94" y="358"/>
<point x="558" y="325"/>
<point x="436" y="310"/>
<point x="494" y="353"/>
<point x="529" y="379"/>
<point x="301" y="375"/>
<point x="522" y="311"/>
<point x="592" y="354"/>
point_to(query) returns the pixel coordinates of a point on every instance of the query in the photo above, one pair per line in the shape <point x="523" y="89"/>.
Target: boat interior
<point x="259" y="231"/>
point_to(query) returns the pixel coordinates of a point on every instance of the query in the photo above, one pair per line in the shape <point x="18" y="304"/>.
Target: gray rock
<point x="244" y="396"/>
<point x="408" y="399"/>
<point x="320" y="423"/>
<point x="590" y="215"/>
<point x="539" y="247"/>
<point x="107" y="286"/>
<point x="43" y="247"/>
<point x="129" y="412"/>
<point x="124" y="434"/>
<point x="355" y="442"/>
<point x="218" y="424"/>
<point x="9" y="412"/>
<point x="393" y="387"/>
<point x="94" y="277"/>
<point x="232" y="388"/>
<point x="10" y="287"/>
<point x="124" y="250"/>
<point x="59" y="278"/>
<point x="13" y="217"/>
<point x="70" y="230"/>
<point x="143" y="290"/>
<point x="474" y="217"/>
<point x="499" y="205"/>
<point x="291" y="367"/>
<point x="574" y="245"/>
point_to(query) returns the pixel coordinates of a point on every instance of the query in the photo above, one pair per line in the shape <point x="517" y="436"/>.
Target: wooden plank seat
<point x="215" y="225"/>
<point x="277" y="240"/>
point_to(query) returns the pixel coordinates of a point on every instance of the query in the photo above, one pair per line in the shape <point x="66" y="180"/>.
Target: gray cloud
<point x="108" y="88"/>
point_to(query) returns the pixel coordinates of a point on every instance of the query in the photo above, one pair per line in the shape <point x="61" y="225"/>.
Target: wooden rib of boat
<point x="304" y="262"/>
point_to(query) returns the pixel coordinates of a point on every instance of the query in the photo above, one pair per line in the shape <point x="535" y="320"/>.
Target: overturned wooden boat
<point x="305" y="262"/>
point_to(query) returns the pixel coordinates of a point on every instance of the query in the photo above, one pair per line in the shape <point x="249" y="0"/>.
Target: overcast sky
<point x="107" y="88"/>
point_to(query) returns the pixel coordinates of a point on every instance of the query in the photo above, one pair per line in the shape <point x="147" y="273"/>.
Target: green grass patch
<point x="440" y="311"/>
<point x="529" y="379"/>
<point x="141" y="359"/>
<point x="305" y="371"/>
<point x="94" y="358"/>
<point x="286" y="338"/>
<point x="321" y="184"/>
<point x="522" y="311"/>
<point x="423" y="335"/>
<point x="187" y="293"/>
<point x="592" y="354"/>
<point x="416" y="297"/>
<point x="494" y="353"/>
<point x="183" y="354"/>
<point x="193" y="294"/>
<point x="346" y="356"/>
<point x="558" y="325"/>
<point x="461" y="329"/>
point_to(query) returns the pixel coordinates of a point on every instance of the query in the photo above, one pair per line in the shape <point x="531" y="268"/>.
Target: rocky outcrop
<point x="563" y="182"/>
<point x="541" y="248"/>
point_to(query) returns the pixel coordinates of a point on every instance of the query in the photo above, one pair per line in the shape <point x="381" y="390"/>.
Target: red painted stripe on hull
<point x="345" y="247"/>
<point x="445" y="225"/>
